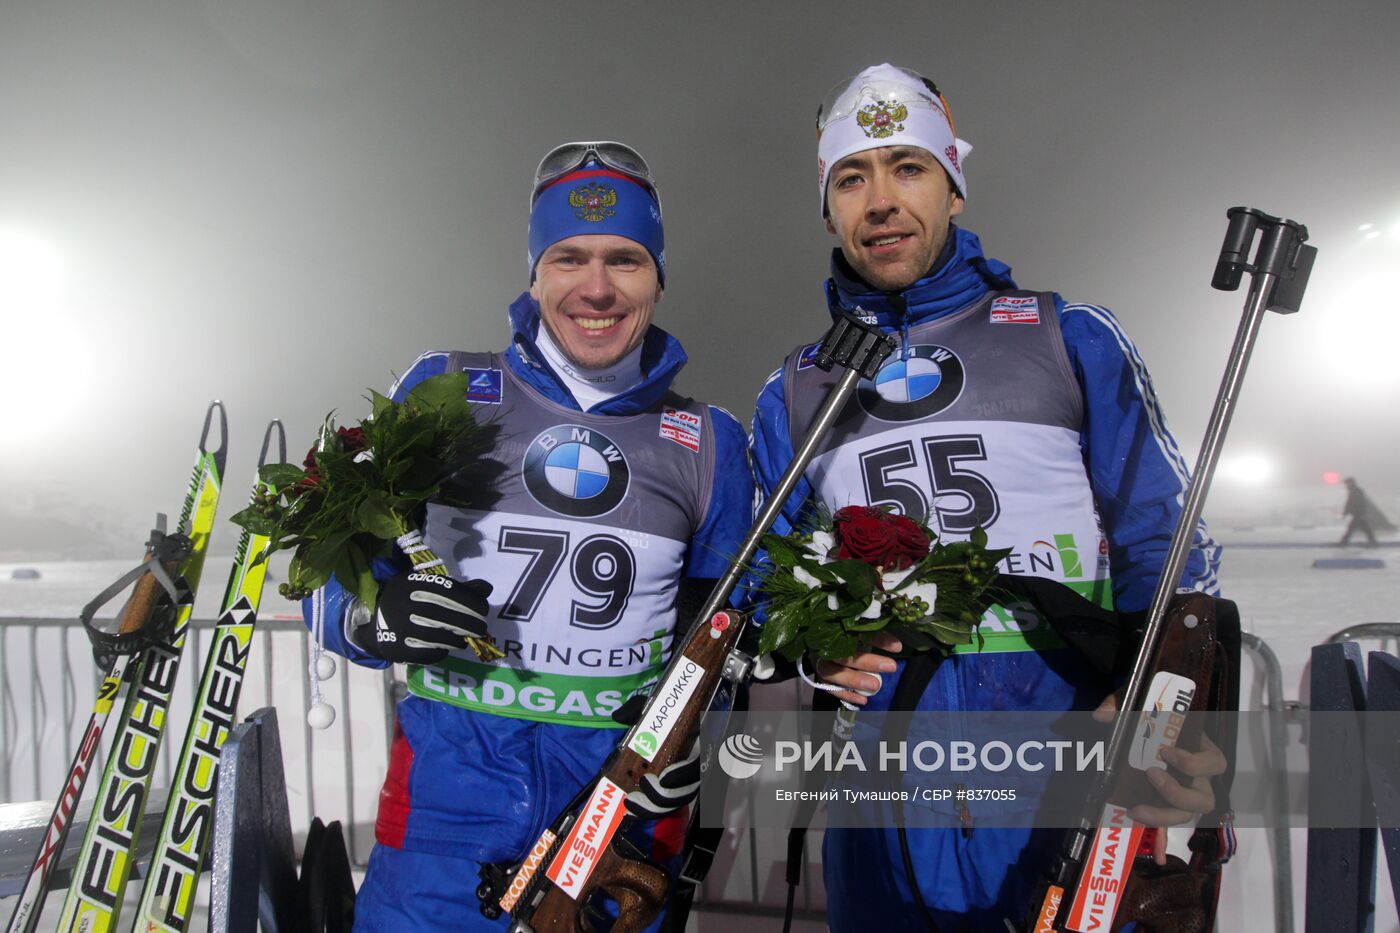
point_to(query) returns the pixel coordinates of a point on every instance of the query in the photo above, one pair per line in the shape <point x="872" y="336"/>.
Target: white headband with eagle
<point x="887" y="106"/>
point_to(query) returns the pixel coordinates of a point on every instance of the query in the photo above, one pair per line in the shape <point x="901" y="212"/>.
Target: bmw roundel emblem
<point x="924" y="382"/>
<point x="576" y="471"/>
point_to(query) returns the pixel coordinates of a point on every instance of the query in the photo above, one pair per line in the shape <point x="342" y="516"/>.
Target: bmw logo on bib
<point x="924" y="382"/>
<point x="575" y="471"/>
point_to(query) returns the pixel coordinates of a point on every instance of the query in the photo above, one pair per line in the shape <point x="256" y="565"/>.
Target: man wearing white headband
<point x="1011" y="410"/>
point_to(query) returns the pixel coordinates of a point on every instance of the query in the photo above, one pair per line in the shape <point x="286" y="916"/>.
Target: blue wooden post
<point x="1383" y="754"/>
<point x="1341" y="860"/>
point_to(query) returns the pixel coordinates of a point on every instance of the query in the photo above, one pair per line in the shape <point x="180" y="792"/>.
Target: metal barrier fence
<point x="1387" y="633"/>
<point x="48" y="684"/>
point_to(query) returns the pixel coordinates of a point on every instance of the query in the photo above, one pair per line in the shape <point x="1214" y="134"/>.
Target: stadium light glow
<point x="38" y="332"/>
<point x="1247" y="469"/>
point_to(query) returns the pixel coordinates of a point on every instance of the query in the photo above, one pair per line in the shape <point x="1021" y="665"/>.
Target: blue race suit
<point x="635" y="495"/>
<point x="1040" y="485"/>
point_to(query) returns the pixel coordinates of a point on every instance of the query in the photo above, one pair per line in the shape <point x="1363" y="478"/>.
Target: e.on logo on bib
<point x="591" y="834"/>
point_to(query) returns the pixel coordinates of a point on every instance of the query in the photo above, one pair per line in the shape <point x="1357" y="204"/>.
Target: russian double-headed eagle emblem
<point x="593" y="202"/>
<point x="879" y="120"/>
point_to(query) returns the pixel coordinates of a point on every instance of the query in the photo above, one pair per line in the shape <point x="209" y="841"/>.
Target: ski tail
<point x="168" y="893"/>
<point x="108" y="850"/>
<point x="134" y="615"/>
<point x="36" y="886"/>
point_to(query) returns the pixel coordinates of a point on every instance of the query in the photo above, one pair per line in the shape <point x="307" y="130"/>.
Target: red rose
<point x="351" y="439"/>
<point x="878" y="538"/>
<point x="912" y="542"/>
<point x="313" y="475"/>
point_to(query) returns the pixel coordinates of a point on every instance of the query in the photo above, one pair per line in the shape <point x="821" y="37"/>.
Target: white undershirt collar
<point x="590" y="387"/>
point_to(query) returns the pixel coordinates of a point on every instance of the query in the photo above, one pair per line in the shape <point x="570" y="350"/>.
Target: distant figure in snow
<point x="1365" y="517"/>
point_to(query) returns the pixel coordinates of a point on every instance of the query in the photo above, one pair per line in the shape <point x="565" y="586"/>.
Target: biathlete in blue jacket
<point x="1013" y="410"/>
<point x="605" y="502"/>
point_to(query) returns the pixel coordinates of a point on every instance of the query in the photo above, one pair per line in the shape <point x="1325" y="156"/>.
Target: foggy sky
<point x="280" y="204"/>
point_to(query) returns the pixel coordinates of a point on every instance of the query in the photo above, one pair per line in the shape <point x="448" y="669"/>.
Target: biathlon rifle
<point x="585" y="852"/>
<point x="1091" y="885"/>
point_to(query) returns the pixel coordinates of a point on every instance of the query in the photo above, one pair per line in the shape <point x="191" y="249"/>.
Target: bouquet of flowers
<point x="359" y="488"/>
<point x="829" y="590"/>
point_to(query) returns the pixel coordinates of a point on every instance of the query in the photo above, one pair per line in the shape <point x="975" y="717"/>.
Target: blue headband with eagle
<point x="596" y="199"/>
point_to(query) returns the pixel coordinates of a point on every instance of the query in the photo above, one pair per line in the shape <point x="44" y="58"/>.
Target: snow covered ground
<point x="1269" y="571"/>
<point x="1292" y="606"/>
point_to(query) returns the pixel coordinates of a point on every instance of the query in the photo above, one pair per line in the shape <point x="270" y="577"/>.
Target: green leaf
<point x="362" y="581"/>
<point x="777" y="631"/>
<point x="380" y="404"/>
<point x="440" y="392"/>
<point x="978" y="539"/>
<point x="949" y="633"/>
<point x="822" y="572"/>
<point x="780" y="550"/>
<point x="376" y="517"/>
<point x="255" y="522"/>
<point x="818" y="612"/>
<point x="793" y="650"/>
<point x="858" y="578"/>
<point x="320" y="557"/>
<point x="820" y="638"/>
<point x="306" y="577"/>
<point x="842" y="646"/>
<point x="281" y="475"/>
<point x="868" y="625"/>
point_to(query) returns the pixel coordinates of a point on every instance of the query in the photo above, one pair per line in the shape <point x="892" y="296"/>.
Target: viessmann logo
<point x="596" y="825"/>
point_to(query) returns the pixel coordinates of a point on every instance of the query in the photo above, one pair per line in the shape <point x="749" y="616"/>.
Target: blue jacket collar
<point x="662" y="358"/>
<point x="962" y="275"/>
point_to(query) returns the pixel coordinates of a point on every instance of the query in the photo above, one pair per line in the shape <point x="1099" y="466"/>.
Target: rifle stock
<point x="586" y="851"/>
<point x="1090" y="887"/>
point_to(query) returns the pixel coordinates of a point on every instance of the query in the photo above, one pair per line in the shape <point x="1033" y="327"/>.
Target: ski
<point x="168" y="893"/>
<point x="198" y="499"/>
<point x="105" y="860"/>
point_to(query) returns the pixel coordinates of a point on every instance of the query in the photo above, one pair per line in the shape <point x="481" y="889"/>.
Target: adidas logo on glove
<point x="420" y="577"/>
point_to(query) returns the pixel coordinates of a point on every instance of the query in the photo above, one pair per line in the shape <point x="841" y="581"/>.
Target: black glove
<point x="670" y="789"/>
<point x="422" y="617"/>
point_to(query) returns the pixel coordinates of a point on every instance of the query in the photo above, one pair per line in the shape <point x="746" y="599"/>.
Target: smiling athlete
<point x="605" y="508"/>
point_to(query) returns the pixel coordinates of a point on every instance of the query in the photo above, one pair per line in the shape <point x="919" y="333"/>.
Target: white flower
<point x="928" y="592"/>
<point x="873" y="610"/>
<point x="832" y="602"/>
<point x="804" y="576"/>
<point x="821" y="544"/>
<point x="891" y="579"/>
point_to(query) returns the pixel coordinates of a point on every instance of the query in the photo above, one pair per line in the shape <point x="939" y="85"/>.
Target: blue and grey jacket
<point x="586" y="530"/>
<point x="1029" y="417"/>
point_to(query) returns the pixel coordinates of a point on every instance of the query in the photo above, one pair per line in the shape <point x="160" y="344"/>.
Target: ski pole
<point x="135" y="615"/>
